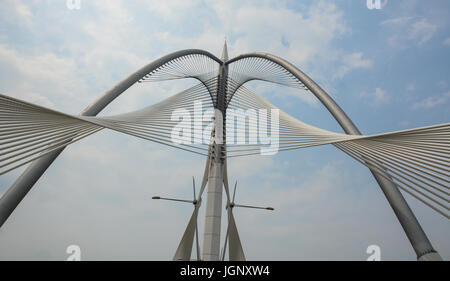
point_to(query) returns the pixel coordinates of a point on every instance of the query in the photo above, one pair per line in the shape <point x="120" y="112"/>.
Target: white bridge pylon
<point x="216" y="176"/>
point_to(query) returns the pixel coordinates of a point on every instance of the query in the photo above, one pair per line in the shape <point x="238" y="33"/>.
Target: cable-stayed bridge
<point x="239" y="123"/>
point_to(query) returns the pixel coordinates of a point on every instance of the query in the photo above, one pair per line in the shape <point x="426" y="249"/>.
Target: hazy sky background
<point x="388" y="69"/>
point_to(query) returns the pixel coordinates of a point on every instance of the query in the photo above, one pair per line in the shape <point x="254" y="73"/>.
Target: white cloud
<point x="447" y="42"/>
<point x="170" y="10"/>
<point x="249" y="166"/>
<point x="411" y="87"/>
<point x="406" y="29"/>
<point x="442" y="84"/>
<point x="396" y="21"/>
<point x="351" y="62"/>
<point x="377" y="98"/>
<point x="16" y="12"/>
<point x="42" y="78"/>
<point x="322" y="182"/>
<point x="422" y="31"/>
<point x="263" y="25"/>
<point x="431" y="102"/>
<point x="260" y="26"/>
<point x="71" y="74"/>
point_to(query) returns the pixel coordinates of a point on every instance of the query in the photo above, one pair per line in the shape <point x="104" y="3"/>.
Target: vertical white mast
<point x="211" y="236"/>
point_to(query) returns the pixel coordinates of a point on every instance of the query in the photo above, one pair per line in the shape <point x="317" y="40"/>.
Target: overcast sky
<point x="387" y="68"/>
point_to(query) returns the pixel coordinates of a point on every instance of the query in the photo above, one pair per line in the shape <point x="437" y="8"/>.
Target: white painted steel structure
<point x="417" y="161"/>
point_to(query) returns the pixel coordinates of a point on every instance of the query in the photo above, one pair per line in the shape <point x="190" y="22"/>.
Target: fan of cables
<point x="28" y="131"/>
<point x="198" y="66"/>
<point x="416" y="160"/>
<point x="257" y="68"/>
<point x="255" y="126"/>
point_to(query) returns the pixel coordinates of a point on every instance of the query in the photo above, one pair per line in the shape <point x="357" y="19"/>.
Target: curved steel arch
<point x="411" y="226"/>
<point x="341" y="117"/>
<point x="99" y="104"/>
<point x="19" y="189"/>
<point x="417" y="237"/>
<point x="187" y="64"/>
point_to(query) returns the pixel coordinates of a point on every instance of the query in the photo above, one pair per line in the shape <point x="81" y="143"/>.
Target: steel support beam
<point x="417" y="237"/>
